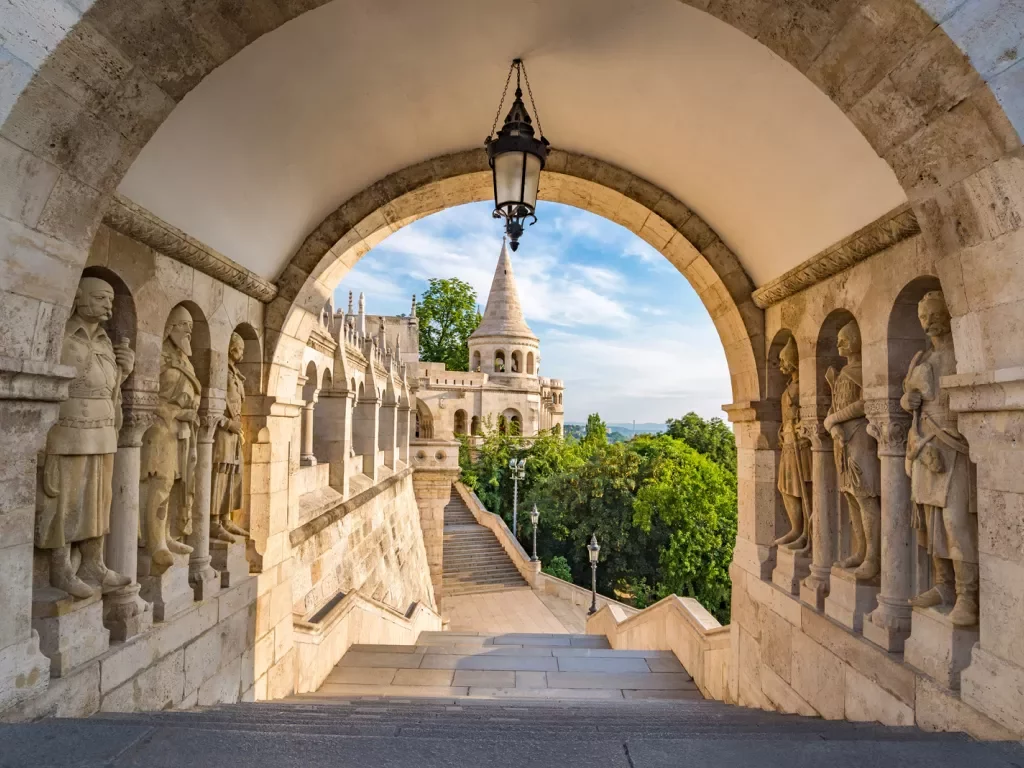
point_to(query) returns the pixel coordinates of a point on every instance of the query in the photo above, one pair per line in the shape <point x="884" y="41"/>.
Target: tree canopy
<point x="663" y="512"/>
<point x="711" y="437"/>
<point x="447" y="315"/>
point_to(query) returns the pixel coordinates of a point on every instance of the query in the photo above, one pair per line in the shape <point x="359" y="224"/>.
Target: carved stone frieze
<point x="321" y="342"/>
<point x="136" y="222"/>
<point x="880" y="234"/>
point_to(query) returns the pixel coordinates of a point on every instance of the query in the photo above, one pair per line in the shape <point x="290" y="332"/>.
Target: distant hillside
<point x="626" y="429"/>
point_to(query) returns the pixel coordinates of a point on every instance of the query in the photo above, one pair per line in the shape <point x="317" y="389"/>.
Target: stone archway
<point x="347" y="234"/>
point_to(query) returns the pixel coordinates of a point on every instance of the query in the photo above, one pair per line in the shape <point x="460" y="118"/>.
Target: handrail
<point x="678" y="624"/>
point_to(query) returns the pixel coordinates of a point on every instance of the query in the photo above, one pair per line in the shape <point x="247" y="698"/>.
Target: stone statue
<point x="856" y="454"/>
<point x="77" y="476"/>
<point x="169" y="447"/>
<point x="795" y="464"/>
<point x="940" y="474"/>
<point x="227" y="452"/>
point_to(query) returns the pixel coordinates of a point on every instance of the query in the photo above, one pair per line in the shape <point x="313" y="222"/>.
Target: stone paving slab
<point x="666" y="664"/>
<point x="547" y="641"/>
<point x="606" y="664"/>
<point x="349" y="689"/>
<point x="500" y="663"/>
<point x="632" y="681"/>
<point x="396" y="660"/>
<point x="544" y="693"/>
<point x="362" y="675"/>
<point x="374" y="648"/>
<point x="531" y="680"/>
<point x="472" y="677"/>
<point x="605" y="652"/>
<point x="491" y="650"/>
<point x="431" y="677"/>
<point x="693" y="694"/>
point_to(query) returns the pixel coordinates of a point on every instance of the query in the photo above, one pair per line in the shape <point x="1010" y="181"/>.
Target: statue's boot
<point x="872" y="564"/>
<point x="797" y="544"/>
<point x="94" y="571"/>
<point x="965" y="611"/>
<point x="63" y="576"/>
<point x="232" y="527"/>
<point x="178" y="547"/>
<point x="788" y="538"/>
<point x="218" y="532"/>
<point x="156" y="542"/>
<point x="942" y="593"/>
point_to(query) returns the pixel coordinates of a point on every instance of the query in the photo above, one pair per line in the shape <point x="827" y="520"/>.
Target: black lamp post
<point x="593" y="549"/>
<point x="534" y="517"/>
<point x="516" y="158"/>
<point x="518" y="469"/>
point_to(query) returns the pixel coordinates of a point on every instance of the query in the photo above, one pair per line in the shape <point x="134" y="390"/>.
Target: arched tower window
<point x="517" y="362"/>
<point x="476" y="361"/>
<point x="499" y="361"/>
<point x="529" y="362"/>
<point x="460" y="422"/>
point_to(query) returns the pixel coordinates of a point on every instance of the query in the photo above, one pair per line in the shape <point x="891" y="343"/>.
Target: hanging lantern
<point x="516" y="158"/>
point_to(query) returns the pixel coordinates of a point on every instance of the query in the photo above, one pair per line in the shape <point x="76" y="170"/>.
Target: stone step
<point x="482" y="588"/>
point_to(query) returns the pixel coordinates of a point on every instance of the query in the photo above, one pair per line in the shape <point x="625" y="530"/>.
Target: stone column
<point x="815" y="587"/>
<point x="307" y="457"/>
<point x="389" y="433"/>
<point x="365" y="429"/>
<point x="29" y="399"/>
<point x="889" y="624"/>
<point x="204" y="579"/>
<point x="435" y="468"/>
<point x="404" y="420"/>
<point x="335" y="435"/>
<point x="756" y="425"/>
<point x="125" y="613"/>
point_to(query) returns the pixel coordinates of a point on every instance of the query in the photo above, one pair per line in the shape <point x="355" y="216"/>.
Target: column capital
<point x="889" y="424"/>
<point x="138" y="408"/>
<point x="814" y="430"/>
<point x="754" y="410"/>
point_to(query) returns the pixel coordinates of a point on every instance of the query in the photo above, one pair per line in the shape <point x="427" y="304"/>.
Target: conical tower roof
<point x="503" y="315"/>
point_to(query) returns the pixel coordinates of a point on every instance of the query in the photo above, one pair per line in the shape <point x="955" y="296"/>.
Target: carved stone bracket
<point x="885" y="232"/>
<point x="889" y="424"/>
<point x="138" y="408"/>
<point x="813" y="430"/>
<point x="136" y="222"/>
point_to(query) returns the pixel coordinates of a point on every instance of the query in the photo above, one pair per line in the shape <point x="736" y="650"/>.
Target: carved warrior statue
<point x="940" y="474"/>
<point x="795" y="464"/>
<point x="227" y="452"/>
<point x="856" y="454"/>
<point x="77" y="476"/>
<point x="169" y="447"/>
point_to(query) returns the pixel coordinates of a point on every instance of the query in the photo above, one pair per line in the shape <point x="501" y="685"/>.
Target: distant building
<point x="504" y="385"/>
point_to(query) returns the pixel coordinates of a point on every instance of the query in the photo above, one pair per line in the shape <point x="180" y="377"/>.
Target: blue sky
<point x="615" y="319"/>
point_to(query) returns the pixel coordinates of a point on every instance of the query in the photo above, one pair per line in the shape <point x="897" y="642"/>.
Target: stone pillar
<point x="889" y="624"/>
<point x="29" y="399"/>
<point x="756" y="425"/>
<point x="335" y="435"/>
<point x="125" y="613"/>
<point x="404" y="431"/>
<point x="435" y="467"/>
<point x="365" y="430"/>
<point x="389" y="433"/>
<point x="307" y="457"/>
<point x="204" y="580"/>
<point x="815" y="587"/>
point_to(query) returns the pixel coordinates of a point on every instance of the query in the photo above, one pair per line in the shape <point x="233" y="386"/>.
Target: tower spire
<point x="503" y="315"/>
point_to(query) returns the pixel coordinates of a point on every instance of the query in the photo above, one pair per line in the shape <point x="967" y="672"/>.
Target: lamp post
<point x="534" y="517"/>
<point x="516" y="159"/>
<point x="593" y="549"/>
<point x="518" y="473"/>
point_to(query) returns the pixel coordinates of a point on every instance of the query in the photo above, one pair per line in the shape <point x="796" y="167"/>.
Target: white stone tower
<point x="503" y="346"/>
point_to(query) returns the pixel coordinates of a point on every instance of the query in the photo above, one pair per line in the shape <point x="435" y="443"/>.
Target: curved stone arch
<point x="665" y="223"/>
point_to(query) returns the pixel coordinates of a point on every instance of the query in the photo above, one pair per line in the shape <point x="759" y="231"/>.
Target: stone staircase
<point x="473" y="560"/>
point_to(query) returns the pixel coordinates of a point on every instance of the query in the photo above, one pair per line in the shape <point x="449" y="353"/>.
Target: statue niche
<point x="856" y="454"/>
<point x="73" y="504"/>
<point x="169" y="448"/>
<point x="938" y="463"/>
<point x="227" y="452"/>
<point x="795" y="463"/>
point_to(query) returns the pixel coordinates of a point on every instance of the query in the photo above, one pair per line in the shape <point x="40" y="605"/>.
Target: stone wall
<point x="371" y="543"/>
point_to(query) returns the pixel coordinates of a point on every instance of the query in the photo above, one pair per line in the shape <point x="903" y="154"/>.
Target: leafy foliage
<point x="711" y="437"/>
<point x="447" y="315"/>
<point x="664" y="513"/>
<point x="558" y="567"/>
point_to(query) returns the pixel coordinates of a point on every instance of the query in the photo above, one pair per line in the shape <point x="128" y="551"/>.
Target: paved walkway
<point x="514" y="610"/>
<point x="507" y="666"/>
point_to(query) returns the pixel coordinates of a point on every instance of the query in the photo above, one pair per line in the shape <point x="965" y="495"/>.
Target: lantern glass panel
<point x="532" y="181"/>
<point x="508" y="178"/>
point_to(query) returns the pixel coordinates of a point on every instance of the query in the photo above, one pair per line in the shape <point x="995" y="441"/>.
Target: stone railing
<point x="323" y="637"/>
<point x="531" y="570"/>
<point x="678" y="624"/>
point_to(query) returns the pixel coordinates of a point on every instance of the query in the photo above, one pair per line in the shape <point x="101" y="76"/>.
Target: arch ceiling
<point x="332" y="101"/>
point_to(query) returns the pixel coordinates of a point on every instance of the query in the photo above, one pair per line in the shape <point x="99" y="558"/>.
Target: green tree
<point x="447" y="315"/>
<point x="558" y="567"/>
<point x="596" y="431"/>
<point x="710" y="437"/>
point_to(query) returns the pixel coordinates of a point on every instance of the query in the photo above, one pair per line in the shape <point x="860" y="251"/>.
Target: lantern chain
<point x="504" y="92"/>
<point x="533" y="104"/>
